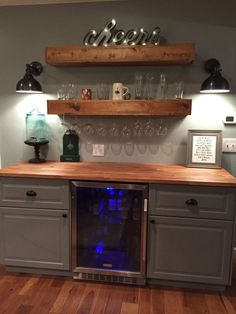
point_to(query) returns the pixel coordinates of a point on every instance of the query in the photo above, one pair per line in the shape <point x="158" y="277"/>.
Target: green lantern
<point x="70" y="146"/>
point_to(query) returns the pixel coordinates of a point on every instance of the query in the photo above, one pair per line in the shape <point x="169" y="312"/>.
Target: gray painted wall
<point x="25" y="31"/>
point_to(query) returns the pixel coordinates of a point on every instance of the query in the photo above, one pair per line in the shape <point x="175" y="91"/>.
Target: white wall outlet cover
<point x="98" y="149"/>
<point x="229" y="119"/>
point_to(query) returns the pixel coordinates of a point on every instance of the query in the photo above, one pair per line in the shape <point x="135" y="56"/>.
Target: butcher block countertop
<point x="125" y="172"/>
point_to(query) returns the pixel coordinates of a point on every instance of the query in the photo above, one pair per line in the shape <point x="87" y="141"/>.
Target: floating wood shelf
<point x="174" y="54"/>
<point x="159" y="107"/>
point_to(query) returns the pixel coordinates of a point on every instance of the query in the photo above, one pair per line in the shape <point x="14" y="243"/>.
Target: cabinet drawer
<point x="192" y="201"/>
<point x="34" y="193"/>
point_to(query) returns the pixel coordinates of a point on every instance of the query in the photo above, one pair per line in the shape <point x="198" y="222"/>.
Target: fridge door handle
<point x="145" y="205"/>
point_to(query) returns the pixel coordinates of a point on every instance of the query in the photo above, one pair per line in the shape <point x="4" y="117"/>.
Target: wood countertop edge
<point x="118" y="179"/>
<point x="112" y="172"/>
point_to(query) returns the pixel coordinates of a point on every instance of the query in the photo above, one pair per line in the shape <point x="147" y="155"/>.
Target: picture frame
<point x="204" y="148"/>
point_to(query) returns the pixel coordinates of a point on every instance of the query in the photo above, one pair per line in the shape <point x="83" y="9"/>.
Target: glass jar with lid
<point x="36" y="126"/>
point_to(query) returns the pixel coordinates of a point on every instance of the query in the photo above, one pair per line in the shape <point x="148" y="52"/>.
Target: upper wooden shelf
<point x="159" y="107"/>
<point x="174" y="54"/>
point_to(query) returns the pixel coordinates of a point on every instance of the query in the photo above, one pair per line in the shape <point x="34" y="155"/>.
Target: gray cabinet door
<point x="190" y="250"/>
<point x="35" y="238"/>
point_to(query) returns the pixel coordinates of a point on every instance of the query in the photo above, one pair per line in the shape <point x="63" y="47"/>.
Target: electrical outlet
<point x="229" y="145"/>
<point x="230" y="119"/>
<point x="98" y="150"/>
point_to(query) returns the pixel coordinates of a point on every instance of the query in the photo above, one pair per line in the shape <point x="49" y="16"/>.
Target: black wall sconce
<point x="215" y="83"/>
<point x="28" y="84"/>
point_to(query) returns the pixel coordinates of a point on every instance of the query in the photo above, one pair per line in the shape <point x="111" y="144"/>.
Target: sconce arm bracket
<point x="212" y="65"/>
<point x="35" y="68"/>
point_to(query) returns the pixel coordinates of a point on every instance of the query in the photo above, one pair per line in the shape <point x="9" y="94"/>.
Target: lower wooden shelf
<point x="158" y="107"/>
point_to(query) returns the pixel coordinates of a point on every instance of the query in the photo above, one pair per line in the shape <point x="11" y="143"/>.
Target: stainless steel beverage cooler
<point x="109" y="231"/>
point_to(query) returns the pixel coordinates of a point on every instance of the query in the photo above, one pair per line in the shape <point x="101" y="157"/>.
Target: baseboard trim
<point x="39" y="271"/>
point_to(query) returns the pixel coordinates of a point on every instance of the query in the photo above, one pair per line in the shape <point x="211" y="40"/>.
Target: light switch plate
<point x="98" y="150"/>
<point x="229" y="145"/>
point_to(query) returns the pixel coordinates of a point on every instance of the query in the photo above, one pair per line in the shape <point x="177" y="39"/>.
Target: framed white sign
<point x="204" y="148"/>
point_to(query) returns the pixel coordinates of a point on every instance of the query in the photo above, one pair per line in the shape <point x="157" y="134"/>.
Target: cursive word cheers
<point x="110" y="36"/>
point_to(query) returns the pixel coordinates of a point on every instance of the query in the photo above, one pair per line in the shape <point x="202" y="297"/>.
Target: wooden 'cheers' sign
<point x="110" y="36"/>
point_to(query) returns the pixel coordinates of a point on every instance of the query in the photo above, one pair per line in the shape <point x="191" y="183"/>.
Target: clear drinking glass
<point x="149" y="129"/>
<point x="72" y="91"/>
<point x="162" y="86"/>
<point x="62" y="91"/>
<point x="129" y="148"/>
<point x="149" y="86"/>
<point x="116" y="148"/>
<point x="142" y="148"/>
<point x="102" y="91"/>
<point x="114" y="131"/>
<point x="89" y="147"/>
<point x="138" y="85"/>
<point x="88" y="130"/>
<point x="153" y="148"/>
<point x="126" y="131"/>
<point x="179" y="90"/>
<point x="161" y="129"/>
<point x="101" y="131"/>
<point x="138" y="129"/>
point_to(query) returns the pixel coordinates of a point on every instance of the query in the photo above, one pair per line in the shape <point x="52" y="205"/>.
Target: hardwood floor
<point x="34" y="294"/>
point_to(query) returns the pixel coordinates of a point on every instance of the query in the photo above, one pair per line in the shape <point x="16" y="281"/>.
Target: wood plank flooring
<point x="36" y="294"/>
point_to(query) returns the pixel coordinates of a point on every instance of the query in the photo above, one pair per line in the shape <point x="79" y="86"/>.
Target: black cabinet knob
<point x="64" y="215"/>
<point x="152" y="222"/>
<point x="31" y="193"/>
<point x="191" y="202"/>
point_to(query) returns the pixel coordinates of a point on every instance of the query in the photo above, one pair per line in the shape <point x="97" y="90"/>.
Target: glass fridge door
<point x="109" y="221"/>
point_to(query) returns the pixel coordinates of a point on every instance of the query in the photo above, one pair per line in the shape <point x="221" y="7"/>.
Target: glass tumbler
<point x="102" y="91"/>
<point x="179" y="90"/>
<point x="138" y="85"/>
<point x="149" y="86"/>
<point x="62" y="91"/>
<point x="162" y="86"/>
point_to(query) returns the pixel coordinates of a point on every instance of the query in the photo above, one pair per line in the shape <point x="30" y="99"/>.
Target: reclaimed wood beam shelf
<point x="171" y="54"/>
<point x="158" y="107"/>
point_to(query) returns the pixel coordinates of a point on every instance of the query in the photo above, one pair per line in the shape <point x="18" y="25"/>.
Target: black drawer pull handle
<point x="31" y="193"/>
<point x="192" y="202"/>
<point x="64" y="215"/>
<point x="152" y="222"/>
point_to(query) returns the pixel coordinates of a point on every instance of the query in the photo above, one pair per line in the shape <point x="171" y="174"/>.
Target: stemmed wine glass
<point x="161" y="129"/>
<point x="149" y="129"/>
